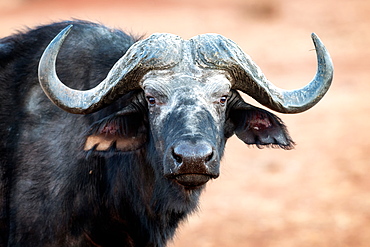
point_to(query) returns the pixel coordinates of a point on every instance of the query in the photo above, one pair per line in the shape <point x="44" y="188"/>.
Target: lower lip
<point x="192" y="180"/>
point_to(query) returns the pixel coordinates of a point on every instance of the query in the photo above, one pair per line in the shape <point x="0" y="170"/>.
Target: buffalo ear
<point x="123" y="132"/>
<point x="255" y="126"/>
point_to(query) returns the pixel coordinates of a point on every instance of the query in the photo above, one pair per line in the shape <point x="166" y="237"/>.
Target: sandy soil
<point x="315" y="195"/>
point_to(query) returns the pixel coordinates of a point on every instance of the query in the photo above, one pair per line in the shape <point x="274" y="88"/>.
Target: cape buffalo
<point x="116" y="145"/>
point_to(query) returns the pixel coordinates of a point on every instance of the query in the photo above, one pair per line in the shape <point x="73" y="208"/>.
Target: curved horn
<point x="159" y="51"/>
<point x="215" y="51"/>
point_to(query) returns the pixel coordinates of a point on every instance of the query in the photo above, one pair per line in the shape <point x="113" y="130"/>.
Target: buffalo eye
<point x="223" y="100"/>
<point x="151" y="100"/>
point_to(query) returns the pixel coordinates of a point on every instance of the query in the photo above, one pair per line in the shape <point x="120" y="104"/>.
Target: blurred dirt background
<point x="315" y="195"/>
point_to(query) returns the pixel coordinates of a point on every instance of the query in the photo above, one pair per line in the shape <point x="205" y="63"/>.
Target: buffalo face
<point x="187" y="115"/>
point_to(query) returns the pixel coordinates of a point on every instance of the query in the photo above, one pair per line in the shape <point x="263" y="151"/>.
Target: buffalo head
<point x="188" y="91"/>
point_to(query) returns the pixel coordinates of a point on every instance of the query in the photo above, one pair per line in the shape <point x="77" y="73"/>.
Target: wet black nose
<point x="193" y="163"/>
<point x="193" y="154"/>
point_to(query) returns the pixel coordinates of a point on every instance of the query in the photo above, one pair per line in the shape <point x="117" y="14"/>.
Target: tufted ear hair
<point x="123" y="131"/>
<point x="255" y="126"/>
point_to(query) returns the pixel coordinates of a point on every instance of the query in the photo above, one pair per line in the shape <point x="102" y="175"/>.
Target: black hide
<point x="94" y="180"/>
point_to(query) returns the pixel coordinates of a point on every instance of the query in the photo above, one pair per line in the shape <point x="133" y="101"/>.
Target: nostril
<point x="188" y="153"/>
<point x="209" y="157"/>
<point x="176" y="157"/>
<point x="191" y="163"/>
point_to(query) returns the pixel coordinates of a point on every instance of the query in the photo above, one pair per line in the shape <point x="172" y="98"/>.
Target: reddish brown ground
<point x="315" y="195"/>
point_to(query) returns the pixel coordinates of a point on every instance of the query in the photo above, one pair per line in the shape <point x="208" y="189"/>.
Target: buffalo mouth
<point x="192" y="180"/>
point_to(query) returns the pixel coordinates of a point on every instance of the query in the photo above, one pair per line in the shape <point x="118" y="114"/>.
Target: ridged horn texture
<point x="163" y="51"/>
<point x="217" y="52"/>
<point x="159" y="51"/>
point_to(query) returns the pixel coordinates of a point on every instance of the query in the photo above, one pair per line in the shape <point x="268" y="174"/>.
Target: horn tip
<point x="66" y="30"/>
<point x="314" y="37"/>
<point x="316" y="40"/>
